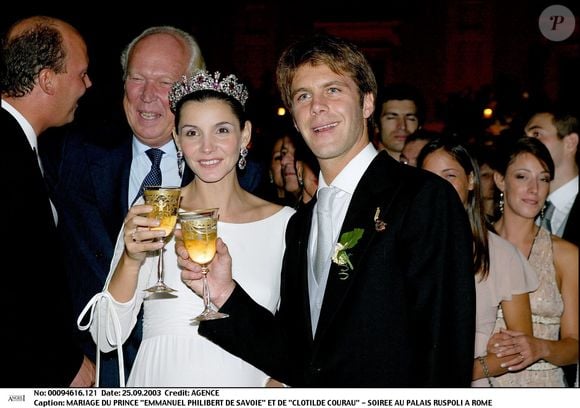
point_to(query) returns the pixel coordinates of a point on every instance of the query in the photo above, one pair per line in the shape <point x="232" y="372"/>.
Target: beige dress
<point x="547" y="308"/>
<point x="509" y="274"/>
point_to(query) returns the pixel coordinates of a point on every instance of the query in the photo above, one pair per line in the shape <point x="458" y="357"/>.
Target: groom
<point x="397" y="308"/>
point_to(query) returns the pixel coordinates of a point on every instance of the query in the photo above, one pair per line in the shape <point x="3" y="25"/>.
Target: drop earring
<point x="180" y="162"/>
<point x="242" y="162"/>
<point x="501" y="203"/>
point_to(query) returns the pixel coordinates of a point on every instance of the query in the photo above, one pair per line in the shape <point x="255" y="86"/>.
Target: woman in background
<point x="523" y="176"/>
<point x="293" y="172"/>
<point x="502" y="276"/>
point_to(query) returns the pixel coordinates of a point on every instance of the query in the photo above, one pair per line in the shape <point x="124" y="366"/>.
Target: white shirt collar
<point x="565" y="194"/>
<point x="349" y="177"/>
<point x="140" y="147"/>
<point x="24" y="124"/>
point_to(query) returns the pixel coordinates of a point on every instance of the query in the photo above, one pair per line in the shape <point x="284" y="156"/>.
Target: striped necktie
<point x="153" y="178"/>
<point x="547" y="218"/>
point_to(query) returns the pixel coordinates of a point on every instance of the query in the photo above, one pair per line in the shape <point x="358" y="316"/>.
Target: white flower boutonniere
<point x="340" y="257"/>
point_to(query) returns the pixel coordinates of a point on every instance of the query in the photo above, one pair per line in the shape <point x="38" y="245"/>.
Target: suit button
<point x="313" y="375"/>
<point x="99" y="255"/>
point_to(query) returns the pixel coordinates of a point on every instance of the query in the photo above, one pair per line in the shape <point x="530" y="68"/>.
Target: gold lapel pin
<point x="380" y="225"/>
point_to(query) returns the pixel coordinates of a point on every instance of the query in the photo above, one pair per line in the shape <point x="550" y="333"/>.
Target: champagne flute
<point x="165" y="202"/>
<point x="199" y="232"/>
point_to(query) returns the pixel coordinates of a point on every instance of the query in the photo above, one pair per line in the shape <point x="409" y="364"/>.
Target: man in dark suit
<point x="393" y="307"/>
<point x="571" y="232"/>
<point x="560" y="133"/>
<point x="95" y="174"/>
<point x="43" y="75"/>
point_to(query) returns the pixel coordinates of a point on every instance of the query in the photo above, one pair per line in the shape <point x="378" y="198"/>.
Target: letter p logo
<point x="557" y="23"/>
<point x="556" y="20"/>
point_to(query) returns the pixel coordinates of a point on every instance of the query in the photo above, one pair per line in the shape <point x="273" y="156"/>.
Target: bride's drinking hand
<point x="139" y="237"/>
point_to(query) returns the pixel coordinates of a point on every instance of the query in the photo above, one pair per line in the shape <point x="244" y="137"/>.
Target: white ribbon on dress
<point x="117" y="335"/>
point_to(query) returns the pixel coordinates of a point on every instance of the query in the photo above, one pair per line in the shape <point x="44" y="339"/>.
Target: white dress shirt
<point x="345" y="183"/>
<point x="562" y="199"/>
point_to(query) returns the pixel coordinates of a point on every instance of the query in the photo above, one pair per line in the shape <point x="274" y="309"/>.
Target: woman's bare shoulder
<point x="563" y="247"/>
<point x="565" y="255"/>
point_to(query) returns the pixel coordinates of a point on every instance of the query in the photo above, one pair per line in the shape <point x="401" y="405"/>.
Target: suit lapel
<point x="110" y="175"/>
<point x="573" y="223"/>
<point x="303" y="220"/>
<point x="27" y="166"/>
<point x="368" y="196"/>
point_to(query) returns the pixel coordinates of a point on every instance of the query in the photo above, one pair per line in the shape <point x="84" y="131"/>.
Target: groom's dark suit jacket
<point x="40" y="347"/>
<point x="404" y="317"/>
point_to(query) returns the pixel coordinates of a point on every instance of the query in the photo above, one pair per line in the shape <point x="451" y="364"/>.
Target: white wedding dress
<point x="172" y="353"/>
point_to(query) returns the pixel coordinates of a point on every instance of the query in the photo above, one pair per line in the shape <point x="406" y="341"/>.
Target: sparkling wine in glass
<point x="199" y="232"/>
<point x="165" y="202"/>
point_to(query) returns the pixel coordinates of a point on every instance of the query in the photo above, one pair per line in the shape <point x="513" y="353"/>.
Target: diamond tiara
<point x="203" y="80"/>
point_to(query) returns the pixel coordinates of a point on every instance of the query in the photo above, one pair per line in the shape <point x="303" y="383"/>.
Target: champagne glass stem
<point x="160" y="268"/>
<point x="208" y="312"/>
<point x="206" y="294"/>
<point x="160" y="286"/>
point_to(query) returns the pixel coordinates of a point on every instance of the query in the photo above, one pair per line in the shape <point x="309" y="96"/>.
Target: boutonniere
<point x="340" y="256"/>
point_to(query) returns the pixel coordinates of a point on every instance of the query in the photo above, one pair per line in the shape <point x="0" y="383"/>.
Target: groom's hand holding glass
<point x="220" y="279"/>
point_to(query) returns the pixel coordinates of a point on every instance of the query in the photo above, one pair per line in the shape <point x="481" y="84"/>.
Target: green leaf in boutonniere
<point x="340" y="256"/>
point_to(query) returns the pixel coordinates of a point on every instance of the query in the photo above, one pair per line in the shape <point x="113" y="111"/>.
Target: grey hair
<point x="196" y="60"/>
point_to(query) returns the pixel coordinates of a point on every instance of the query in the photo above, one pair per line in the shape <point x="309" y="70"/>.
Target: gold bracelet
<point x="485" y="369"/>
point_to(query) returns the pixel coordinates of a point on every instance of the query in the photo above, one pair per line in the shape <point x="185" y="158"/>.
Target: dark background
<point x="462" y="54"/>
